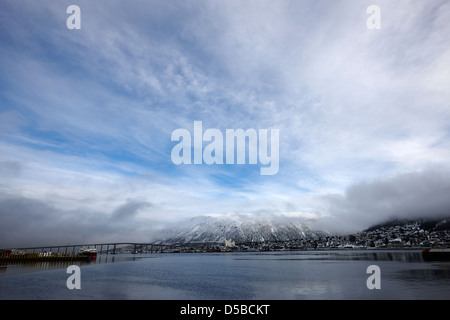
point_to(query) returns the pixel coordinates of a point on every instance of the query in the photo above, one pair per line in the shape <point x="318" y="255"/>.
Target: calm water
<point x="242" y="276"/>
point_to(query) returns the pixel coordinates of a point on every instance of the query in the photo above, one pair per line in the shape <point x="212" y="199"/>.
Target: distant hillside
<point x="239" y="228"/>
<point x="428" y="224"/>
<point x="257" y="229"/>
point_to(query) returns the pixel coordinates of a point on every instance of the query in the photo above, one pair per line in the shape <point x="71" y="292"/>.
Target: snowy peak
<point x="240" y="228"/>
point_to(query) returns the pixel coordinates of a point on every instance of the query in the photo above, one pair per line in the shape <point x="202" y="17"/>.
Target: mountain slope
<point x="240" y="229"/>
<point x="429" y="224"/>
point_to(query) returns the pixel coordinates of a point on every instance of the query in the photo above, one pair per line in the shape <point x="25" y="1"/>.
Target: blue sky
<point x="86" y="115"/>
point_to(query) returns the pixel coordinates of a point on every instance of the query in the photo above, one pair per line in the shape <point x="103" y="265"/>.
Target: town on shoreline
<point x="408" y="236"/>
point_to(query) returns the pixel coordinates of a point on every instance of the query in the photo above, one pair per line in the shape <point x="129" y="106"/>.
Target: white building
<point x="229" y="243"/>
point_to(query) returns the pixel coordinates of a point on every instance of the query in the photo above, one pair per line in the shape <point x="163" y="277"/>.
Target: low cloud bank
<point x="29" y="222"/>
<point x="423" y="194"/>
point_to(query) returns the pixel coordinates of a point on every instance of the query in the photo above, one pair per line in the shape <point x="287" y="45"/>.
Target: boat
<point x="436" y="254"/>
<point x="87" y="252"/>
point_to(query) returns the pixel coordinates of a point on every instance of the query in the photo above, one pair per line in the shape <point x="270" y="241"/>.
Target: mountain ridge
<point x="248" y="228"/>
<point x="426" y="223"/>
<point x="240" y="228"/>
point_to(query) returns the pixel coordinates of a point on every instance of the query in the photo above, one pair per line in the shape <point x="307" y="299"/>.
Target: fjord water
<point x="237" y="276"/>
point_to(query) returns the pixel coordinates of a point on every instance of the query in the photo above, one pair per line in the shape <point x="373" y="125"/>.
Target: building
<point x="229" y="243"/>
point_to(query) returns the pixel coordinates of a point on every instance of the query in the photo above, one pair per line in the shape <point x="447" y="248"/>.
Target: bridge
<point x="102" y="248"/>
<point x="71" y="250"/>
<point x="69" y="253"/>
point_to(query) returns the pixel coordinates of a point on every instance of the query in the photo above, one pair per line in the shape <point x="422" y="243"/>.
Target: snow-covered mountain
<point x="239" y="228"/>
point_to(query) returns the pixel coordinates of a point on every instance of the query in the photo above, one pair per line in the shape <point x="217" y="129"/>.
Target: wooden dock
<point x="24" y="257"/>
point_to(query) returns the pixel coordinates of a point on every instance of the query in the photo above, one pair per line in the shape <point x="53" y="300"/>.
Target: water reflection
<point x="8" y="268"/>
<point x="402" y="256"/>
<point x="348" y="255"/>
<point x="239" y="275"/>
<point x="31" y="266"/>
<point x="438" y="271"/>
<point x="366" y="255"/>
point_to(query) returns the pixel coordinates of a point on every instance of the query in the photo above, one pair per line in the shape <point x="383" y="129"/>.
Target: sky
<point x="86" y="115"/>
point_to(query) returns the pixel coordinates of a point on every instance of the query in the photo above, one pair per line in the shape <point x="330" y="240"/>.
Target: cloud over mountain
<point x="411" y="195"/>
